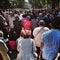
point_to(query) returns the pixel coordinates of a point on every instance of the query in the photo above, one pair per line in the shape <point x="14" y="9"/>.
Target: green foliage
<point x="37" y="3"/>
<point x="34" y="3"/>
<point x="20" y="3"/>
<point x="43" y="3"/>
<point x="17" y="3"/>
<point x="4" y="4"/>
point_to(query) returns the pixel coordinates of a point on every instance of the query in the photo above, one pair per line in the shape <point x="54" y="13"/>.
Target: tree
<point x="45" y="3"/>
<point x="20" y="3"/>
<point x="36" y="4"/>
<point x="4" y="4"/>
<point x="55" y="3"/>
<point x="17" y="3"/>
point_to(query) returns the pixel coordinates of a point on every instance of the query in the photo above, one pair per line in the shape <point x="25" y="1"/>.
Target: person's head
<point x="56" y="22"/>
<point x="11" y="13"/>
<point x="41" y="23"/>
<point x="25" y="33"/>
<point x="17" y="18"/>
<point x="28" y="17"/>
<point x="40" y="14"/>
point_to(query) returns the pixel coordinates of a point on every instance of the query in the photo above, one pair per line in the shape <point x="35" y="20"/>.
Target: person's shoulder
<point x="46" y="28"/>
<point x="35" y="31"/>
<point x="37" y="28"/>
<point x="31" y="39"/>
<point x="47" y="32"/>
<point x="1" y="41"/>
<point x="20" y="38"/>
<point x="46" y="35"/>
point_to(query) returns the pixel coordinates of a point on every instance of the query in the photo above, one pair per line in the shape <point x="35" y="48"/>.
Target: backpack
<point x="12" y="45"/>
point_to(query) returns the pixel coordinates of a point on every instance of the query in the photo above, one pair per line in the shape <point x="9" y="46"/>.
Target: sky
<point x="26" y="0"/>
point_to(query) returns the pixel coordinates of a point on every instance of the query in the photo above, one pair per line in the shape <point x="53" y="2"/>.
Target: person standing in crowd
<point x="27" y="23"/>
<point x="25" y="46"/>
<point x="37" y="33"/>
<point x="40" y="17"/>
<point x="11" y="19"/>
<point x="17" y="26"/>
<point x="12" y="45"/>
<point x="51" y="40"/>
<point x="3" y="48"/>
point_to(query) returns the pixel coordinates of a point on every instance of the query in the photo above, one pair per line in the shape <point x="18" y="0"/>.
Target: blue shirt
<point x="51" y="40"/>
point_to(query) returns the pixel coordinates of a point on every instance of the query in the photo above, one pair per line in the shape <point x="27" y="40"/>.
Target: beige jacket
<point x="37" y="33"/>
<point x="3" y="50"/>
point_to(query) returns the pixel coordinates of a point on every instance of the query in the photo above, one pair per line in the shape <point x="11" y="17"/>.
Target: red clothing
<point x="12" y="44"/>
<point x="26" y="24"/>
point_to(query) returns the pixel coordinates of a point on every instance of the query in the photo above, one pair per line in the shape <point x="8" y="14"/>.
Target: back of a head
<point x="41" y="23"/>
<point x="56" y="22"/>
<point x="25" y="33"/>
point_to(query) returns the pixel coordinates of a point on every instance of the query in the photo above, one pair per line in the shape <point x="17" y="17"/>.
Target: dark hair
<point x="41" y="23"/>
<point x="56" y="22"/>
<point x="25" y="34"/>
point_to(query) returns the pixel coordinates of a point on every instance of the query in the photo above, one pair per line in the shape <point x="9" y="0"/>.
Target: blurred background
<point x="29" y="4"/>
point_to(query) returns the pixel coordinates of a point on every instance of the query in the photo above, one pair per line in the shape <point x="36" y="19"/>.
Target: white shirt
<point x="38" y="37"/>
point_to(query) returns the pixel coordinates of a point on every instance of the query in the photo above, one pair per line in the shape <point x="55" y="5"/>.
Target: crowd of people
<point x="29" y="34"/>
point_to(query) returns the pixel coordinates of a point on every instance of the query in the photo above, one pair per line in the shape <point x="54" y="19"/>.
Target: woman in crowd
<point x="25" y="46"/>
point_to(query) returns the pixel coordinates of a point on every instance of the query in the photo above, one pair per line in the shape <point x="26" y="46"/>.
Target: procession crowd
<point x="29" y="34"/>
